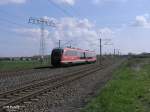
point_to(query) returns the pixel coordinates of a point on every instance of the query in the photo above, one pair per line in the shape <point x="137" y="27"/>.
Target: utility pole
<point x="42" y="22"/>
<point x="70" y="45"/>
<point x="100" y="45"/>
<point x="59" y="43"/>
<point x="100" y="48"/>
<point x="114" y="52"/>
<point x="118" y="52"/>
<point x="100" y="51"/>
<point x="42" y="42"/>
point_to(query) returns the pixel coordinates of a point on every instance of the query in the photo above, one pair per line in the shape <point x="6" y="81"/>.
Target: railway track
<point x="30" y="92"/>
<point x="8" y="74"/>
<point x="14" y="81"/>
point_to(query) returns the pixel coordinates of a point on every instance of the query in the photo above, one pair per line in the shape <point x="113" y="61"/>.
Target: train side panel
<point x="72" y="56"/>
<point x="69" y="56"/>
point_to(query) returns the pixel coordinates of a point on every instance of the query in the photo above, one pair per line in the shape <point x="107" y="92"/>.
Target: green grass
<point x="129" y="91"/>
<point x="20" y="65"/>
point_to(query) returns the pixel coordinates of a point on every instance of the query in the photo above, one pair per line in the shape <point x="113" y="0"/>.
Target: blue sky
<point x="125" y="22"/>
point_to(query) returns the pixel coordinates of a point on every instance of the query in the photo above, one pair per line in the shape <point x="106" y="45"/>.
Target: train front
<point x="56" y="56"/>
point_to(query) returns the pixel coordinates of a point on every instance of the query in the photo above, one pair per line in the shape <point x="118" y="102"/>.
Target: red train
<point x="67" y="56"/>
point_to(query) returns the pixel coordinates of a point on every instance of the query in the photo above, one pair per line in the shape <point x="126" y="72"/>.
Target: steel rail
<point x="56" y="83"/>
<point x="43" y="81"/>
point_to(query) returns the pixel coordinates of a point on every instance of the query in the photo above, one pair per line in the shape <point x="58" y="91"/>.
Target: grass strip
<point x="129" y="91"/>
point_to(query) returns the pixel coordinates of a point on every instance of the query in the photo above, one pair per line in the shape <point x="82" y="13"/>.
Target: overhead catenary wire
<point x="75" y="11"/>
<point x="12" y="22"/>
<point x="60" y="8"/>
<point x="10" y="14"/>
<point x="11" y="32"/>
<point x="3" y="29"/>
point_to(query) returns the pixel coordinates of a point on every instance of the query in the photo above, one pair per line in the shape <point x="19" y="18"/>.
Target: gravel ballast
<point x="14" y="80"/>
<point x="74" y="96"/>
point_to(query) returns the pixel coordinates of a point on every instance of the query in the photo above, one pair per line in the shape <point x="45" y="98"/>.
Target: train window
<point x="71" y="53"/>
<point x="78" y="53"/>
<point x="67" y="53"/>
<point x="82" y="55"/>
<point x="86" y="55"/>
<point x="89" y="55"/>
<point x="75" y="53"/>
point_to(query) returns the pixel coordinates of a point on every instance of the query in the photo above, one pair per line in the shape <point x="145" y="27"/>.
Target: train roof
<point x="79" y="49"/>
<point x="68" y="48"/>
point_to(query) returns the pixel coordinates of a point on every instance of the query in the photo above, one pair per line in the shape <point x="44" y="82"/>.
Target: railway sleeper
<point x="27" y="102"/>
<point x="35" y="99"/>
<point x="4" y="99"/>
<point x="28" y="90"/>
<point x="8" y="97"/>
<point x="23" y="92"/>
<point x="57" y="85"/>
<point x="45" y="94"/>
<point x="16" y="94"/>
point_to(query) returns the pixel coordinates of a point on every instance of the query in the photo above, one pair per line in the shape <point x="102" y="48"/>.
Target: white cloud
<point x="108" y="1"/>
<point x="82" y="32"/>
<point x="132" y="39"/>
<point x="2" y="2"/>
<point x="68" y="2"/>
<point x="105" y="31"/>
<point x="31" y="33"/>
<point x="142" y="21"/>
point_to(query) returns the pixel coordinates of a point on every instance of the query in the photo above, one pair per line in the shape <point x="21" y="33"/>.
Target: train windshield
<point x="57" y="52"/>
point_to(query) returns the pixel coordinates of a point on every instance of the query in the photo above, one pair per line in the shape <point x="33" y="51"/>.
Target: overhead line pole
<point x="59" y="43"/>
<point x="42" y="42"/>
<point x="100" y="48"/>
<point x="43" y="22"/>
<point x="100" y="51"/>
<point x="114" y="52"/>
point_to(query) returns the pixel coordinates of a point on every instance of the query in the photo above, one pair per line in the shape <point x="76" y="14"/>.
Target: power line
<point x="75" y="10"/>
<point x="2" y="29"/>
<point x="9" y="14"/>
<point x="68" y="42"/>
<point x="12" y="22"/>
<point x="12" y="32"/>
<point x="60" y="8"/>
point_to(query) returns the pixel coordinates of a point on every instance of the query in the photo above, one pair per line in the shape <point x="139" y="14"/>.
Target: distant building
<point x="36" y="58"/>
